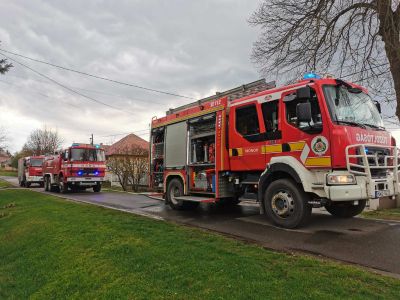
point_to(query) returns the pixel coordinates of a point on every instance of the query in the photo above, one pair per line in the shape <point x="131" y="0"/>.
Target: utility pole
<point x="91" y="139"/>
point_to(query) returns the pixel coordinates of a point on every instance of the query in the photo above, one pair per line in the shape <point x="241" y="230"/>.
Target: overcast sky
<point x="193" y="48"/>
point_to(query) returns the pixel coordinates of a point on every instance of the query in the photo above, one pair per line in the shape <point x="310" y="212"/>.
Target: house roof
<point x="126" y="143"/>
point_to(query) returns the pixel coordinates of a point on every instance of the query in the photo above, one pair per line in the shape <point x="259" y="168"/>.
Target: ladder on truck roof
<point x="232" y="94"/>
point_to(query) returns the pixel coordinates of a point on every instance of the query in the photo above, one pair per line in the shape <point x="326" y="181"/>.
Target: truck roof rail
<point x="232" y="94"/>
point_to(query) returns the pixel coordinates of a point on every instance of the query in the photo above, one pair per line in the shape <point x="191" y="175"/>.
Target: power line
<point x="126" y="133"/>
<point x="66" y="87"/>
<point x="39" y="93"/>
<point x="98" y="77"/>
<point x="94" y="91"/>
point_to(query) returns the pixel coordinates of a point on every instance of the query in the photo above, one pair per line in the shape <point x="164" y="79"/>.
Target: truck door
<point x="246" y="137"/>
<point x="308" y="141"/>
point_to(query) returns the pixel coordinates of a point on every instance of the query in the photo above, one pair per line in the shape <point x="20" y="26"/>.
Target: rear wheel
<point x="346" y="209"/>
<point x="286" y="204"/>
<point x="47" y="184"/>
<point x="174" y="190"/>
<point x="62" y="186"/>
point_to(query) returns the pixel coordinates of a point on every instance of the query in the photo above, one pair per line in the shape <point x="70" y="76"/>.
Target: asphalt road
<point x="373" y="244"/>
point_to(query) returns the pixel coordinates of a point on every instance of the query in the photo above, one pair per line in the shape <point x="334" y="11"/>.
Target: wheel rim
<point x="282" y="204"/>
<point x="175" y="192"/>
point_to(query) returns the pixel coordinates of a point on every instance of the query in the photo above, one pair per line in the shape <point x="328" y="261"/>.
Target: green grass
<point x="5" y="184"/>
<point x="52" y="248"/>
<point x="8" y="173"/>
<point x="386" y="214"/>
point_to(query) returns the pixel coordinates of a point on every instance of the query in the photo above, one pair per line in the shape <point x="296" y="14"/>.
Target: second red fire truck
<point x="75" y="168"/>
<point x="318" y="142"/>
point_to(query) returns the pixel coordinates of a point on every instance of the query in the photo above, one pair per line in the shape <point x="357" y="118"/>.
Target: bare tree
<point x="117" y="165"/>
<point x="42" y="141"/>
<point x="352" y="38"/>
<point x="3" y="139"/>
<point x="5" y="66"/>
<point x="130" y="165"/>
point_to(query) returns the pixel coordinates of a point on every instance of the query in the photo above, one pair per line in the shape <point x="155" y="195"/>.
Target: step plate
<point x="196" y="199"/>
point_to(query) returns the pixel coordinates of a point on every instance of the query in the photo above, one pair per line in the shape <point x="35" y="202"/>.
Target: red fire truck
<point x="318" y="142"/>
<point x="78" y="167"/>
<point x="30" y="170"/>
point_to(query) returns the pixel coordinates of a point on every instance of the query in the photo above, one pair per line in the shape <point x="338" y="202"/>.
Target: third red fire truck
<point x="78" y="167"/>
<point x="318" y="142"/>
<point x="30" y="170"/>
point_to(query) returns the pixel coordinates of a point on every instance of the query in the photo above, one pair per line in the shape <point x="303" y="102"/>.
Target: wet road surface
<point x="370" y="243"/>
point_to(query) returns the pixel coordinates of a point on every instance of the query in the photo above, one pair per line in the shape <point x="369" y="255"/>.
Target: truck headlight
<point x="333" y="179"/>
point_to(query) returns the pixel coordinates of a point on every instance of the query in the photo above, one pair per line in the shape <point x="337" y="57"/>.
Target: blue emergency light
<point x="311" y="75"/>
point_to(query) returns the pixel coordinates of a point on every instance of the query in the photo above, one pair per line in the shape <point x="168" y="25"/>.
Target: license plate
<point x="87" y="183"/>
<point x="382" y="193"/>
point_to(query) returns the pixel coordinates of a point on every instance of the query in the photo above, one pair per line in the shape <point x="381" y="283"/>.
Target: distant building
<point x="124" y="145"/>
<point x="131" y="147"/>
<point x="5" y="159"/>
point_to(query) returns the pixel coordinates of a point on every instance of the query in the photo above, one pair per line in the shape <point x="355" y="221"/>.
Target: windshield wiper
<point x="375" y="126"/>
<point x="351" y="123"/>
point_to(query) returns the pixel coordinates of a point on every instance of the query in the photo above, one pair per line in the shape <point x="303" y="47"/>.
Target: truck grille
<point x="371" y="160"/>
<point x="379" y="160"/>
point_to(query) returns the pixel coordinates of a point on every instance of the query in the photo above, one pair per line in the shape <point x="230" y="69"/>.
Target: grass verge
<point x="4" y="184"/>
<point x="51" y="248"/>
<point x="8" y="173"/>
<point x="385" y="214"/>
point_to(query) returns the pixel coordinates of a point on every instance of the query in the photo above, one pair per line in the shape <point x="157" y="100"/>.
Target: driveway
<point x="370" y="243"/>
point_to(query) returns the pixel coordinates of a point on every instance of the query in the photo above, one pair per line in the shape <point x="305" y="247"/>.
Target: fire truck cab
<point x="78" y="167"/>
<point x="318" y="142"/>
<point x="30" y="170"/>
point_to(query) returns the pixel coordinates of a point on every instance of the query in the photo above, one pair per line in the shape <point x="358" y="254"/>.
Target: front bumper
<point x="85" y="181"/>
<point x="34" y="179"/>
<point x="364" y="189"/>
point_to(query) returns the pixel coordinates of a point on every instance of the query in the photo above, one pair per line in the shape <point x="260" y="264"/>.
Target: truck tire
<point x="27" y="184"/>
<point x="346" y="209"/>
<point x="62" y="186"/>
<point x="46" y="184"/>
<point x="175" y="189"/>
<point x="97" y="188"/>
<point x="286" y="204"/>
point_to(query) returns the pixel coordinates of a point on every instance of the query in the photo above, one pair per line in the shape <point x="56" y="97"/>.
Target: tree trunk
<point x="389" y="22"/>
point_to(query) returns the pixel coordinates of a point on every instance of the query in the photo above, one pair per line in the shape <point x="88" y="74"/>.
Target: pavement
<point x="370" y="243"/>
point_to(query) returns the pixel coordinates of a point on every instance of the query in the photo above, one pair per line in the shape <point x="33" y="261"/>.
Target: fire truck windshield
<point x="36" y="162"/>
<point x="352" y="108"/>
<point x="87" y="155"/>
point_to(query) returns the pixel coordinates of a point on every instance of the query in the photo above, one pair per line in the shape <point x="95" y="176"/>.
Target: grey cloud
<point x="188" y="47"/>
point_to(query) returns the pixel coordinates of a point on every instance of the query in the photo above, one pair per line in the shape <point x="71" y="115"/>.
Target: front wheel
<point x="346" y="209"/>
<point x="175" y="190"/>
<point x="286" y="204"/>
<point x="97" y="188"/>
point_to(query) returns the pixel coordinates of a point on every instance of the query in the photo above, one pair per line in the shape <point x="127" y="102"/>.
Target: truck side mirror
<point x="303" y="93"/>
<point x="303" y="112"/>
<point x="378" y="106"/>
